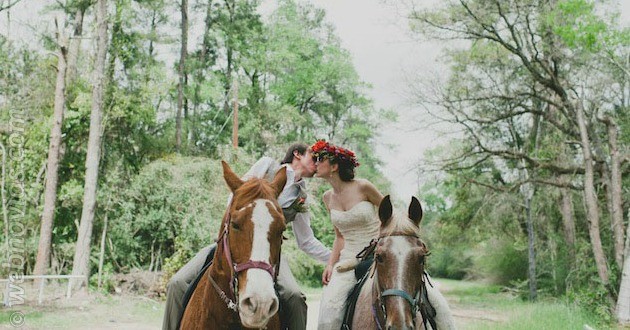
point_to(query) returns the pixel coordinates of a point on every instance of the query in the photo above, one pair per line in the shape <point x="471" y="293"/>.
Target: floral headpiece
<point x="321" y="148"/>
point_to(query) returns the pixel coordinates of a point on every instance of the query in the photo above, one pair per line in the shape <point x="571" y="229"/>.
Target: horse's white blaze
<point x="259" y="282"/>
<point x="401" y="249"/>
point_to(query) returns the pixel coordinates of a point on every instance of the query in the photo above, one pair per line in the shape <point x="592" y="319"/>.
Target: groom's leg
<point x="293" y="301"/>
<point x="177" y="287"/>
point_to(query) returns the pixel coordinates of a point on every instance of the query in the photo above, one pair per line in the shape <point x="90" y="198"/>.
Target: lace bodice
<point x="357" y="225"/>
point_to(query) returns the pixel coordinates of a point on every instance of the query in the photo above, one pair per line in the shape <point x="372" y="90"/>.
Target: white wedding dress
<point x="358" y="226"/>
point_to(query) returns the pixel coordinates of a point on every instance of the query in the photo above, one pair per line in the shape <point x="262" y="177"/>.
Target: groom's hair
<point x="299" y="147"/>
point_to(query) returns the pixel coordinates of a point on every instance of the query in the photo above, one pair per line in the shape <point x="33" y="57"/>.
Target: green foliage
<point x="450" y="262"/>
<point x="594" y="298"/>
<point x="502" y="261"/>
<point x="172" y="205"/>
<point x="306" y="270"/>
<point x="579" y="26"/>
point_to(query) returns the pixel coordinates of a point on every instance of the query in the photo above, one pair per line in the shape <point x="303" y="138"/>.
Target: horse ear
<point x="232" y="180"/>
<point x="279" y="180"/>
<point x="385" y="210"/>
<point x="415" y="211"/>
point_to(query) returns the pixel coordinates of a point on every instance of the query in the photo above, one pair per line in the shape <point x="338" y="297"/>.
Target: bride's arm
<point x="334" y="256"/>
<point x="337" y="245"/>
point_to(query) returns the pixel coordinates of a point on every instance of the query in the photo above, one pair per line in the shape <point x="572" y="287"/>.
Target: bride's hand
<point x="326" y="274"/>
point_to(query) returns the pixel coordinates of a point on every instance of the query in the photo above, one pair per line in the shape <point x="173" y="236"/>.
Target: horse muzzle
<point x="258" y="303"/>
<point x="255" y="311"/>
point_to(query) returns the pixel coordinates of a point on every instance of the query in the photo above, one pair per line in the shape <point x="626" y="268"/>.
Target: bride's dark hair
<point x="346" y="169"/>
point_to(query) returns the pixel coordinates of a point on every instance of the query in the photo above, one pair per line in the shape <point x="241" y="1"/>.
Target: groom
<point x="299" y="163"/>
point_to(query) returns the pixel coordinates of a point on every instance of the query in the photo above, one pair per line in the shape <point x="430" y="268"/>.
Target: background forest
<point x="114" y="121"/>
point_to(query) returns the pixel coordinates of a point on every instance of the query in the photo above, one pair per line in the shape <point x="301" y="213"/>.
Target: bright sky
<point x="384" y="54"/>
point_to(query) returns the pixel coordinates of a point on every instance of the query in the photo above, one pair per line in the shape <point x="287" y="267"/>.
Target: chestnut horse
<point x="237" y="290"/>
<point x="394" y="296"/>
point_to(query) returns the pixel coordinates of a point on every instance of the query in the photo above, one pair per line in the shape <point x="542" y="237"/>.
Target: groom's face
<point x="308" y="164"/>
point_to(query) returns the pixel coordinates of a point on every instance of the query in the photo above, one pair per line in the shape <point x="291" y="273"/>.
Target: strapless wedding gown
<point x="358" y="226"/>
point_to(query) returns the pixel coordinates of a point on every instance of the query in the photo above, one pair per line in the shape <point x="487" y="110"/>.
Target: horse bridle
<point x="238" y="268"/>
<point x="413" y="302"/>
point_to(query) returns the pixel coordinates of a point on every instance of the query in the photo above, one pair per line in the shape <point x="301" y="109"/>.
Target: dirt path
<point x="137" y="312"/>
<point x="463" y="316"/>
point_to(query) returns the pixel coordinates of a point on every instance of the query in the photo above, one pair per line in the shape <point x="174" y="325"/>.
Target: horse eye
<point x="378" y="258"/>
<point x="235" y="225"/>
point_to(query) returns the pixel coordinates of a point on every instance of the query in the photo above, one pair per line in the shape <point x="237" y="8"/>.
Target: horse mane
<point x="253" y="189"/>
<point x="401" y="225"/>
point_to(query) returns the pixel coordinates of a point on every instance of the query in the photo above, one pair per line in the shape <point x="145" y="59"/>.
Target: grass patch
<point x="130" y="312"/>
<point x="29" y="314"/>
<point x="486" y="306"/>
<point x="552" y="316"/>
<point x="548" y="316"/>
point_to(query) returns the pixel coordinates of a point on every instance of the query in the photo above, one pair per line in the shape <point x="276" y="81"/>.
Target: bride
<point x="351" y="204"/>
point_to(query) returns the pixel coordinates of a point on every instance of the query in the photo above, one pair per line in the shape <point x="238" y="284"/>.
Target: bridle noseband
<point x="238" y="268"/>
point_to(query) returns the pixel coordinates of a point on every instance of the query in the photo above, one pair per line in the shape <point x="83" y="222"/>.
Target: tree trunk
<point x="3" y="194"/>
<point x="622" y="310"/>
<point x="101" y="258"/>
<point x="590" y="199"/>
<point x="81" y="264"/>
<point x="568" y="222"/>
<point x="182" y="76"/>
<point x="50" y="191"/>
<point x="605" y="173"/>
<point x="235" y="116"/>
<point x="615" y="185"/>
<point x="229" y="55"/>
<point x="75" y="45"/>
<point x="531" y="251"/>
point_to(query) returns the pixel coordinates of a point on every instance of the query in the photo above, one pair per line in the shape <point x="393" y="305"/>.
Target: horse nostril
<point x="249" y="304"/>
<point x="273" y="308"/>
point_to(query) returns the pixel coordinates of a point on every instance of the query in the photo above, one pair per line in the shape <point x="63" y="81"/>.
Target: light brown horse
<point x="237" y="290"/>
<point x="390" y="298"/>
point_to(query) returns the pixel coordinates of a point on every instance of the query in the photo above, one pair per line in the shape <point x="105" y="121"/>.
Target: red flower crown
<point x="321" y="148"/>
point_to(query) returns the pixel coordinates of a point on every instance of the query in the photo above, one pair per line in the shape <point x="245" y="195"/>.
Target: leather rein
<point x="238" y="268"/>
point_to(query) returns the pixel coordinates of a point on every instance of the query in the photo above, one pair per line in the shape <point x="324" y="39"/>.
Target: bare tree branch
<point x="8" y="4"/>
